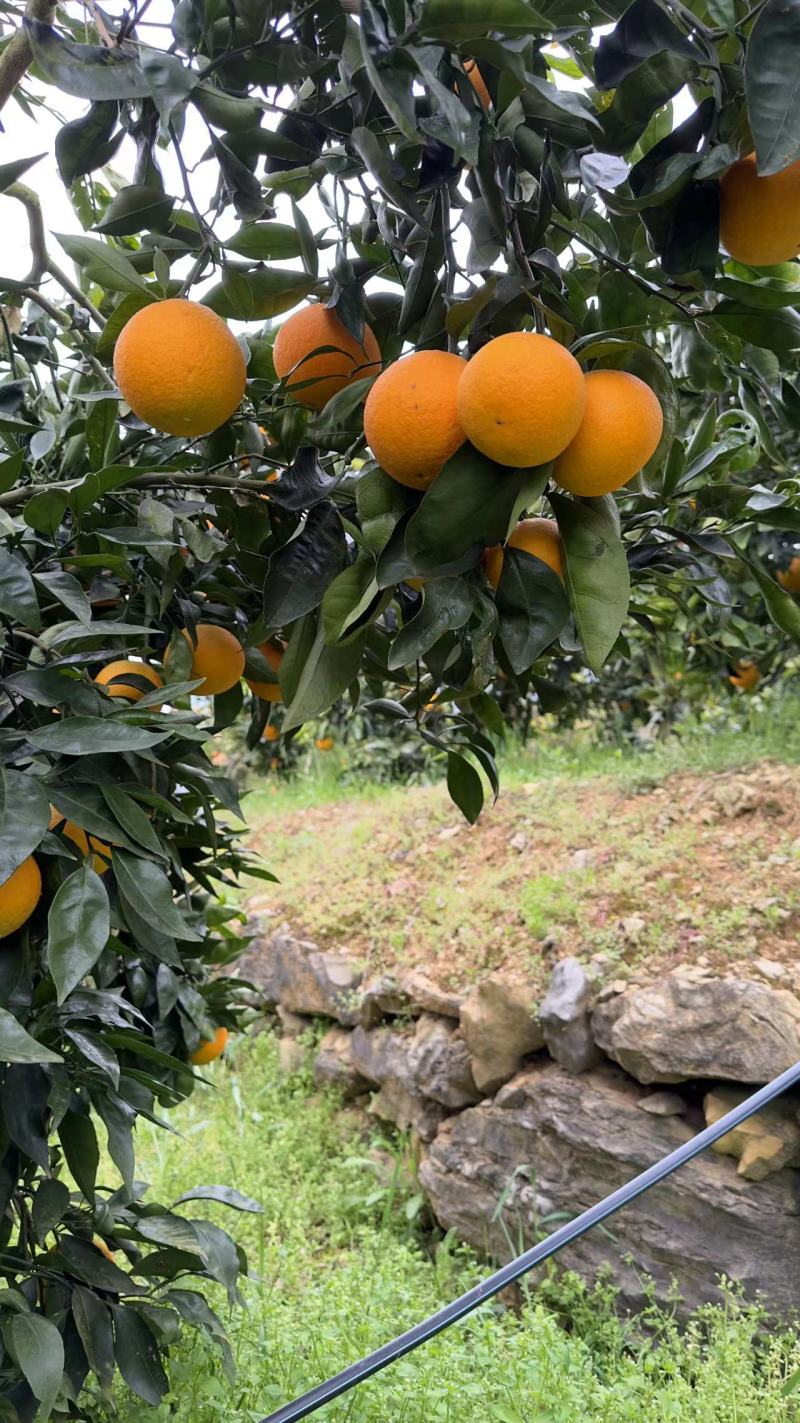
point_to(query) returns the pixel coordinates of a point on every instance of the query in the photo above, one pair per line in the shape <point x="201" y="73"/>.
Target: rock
<point x="633" y="926"/>
<point x="518" y="842"/>
<point x="334" y="1066"/>
<point x="663" y="1104"/>
<point x="499" y="1028"/>
<point x="582" y="1137"/>
<point x="769" y="969"/>
<point x="292" y="1025"/>
<point x="583" y="859"/>
<point x="686" y="1026"/>
<point x="767" y="1142"/>
<point x="308" y="980"/>
<point x="428" y="996"/>
<point x="421" y="1071"/>
<point x="564" y="1015"/>
<point x="382" y="998"/>
<point x="292" y="1056"/>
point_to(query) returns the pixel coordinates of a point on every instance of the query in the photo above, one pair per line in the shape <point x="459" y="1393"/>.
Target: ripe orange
<point x="19" y="896"/>
<point x="218" y="658"/>
<point x="210" y="1051"/>
<point x="271" y="733"/>
<point x="268" y="691"/>
<point x="179" y="367"/>
<point x="478" y="82"/>
<point x="324" y="743"/>
<point x="521" y="399"/>
<point x="619" y="432"/>
<point x="410" y="418"/>
<point x="541" y="538"/>
<point x="789" y="578"/>
<point x="79" y="838"/>
<point x="331" y="371"/>
<point x="746" y="676"/>
<point x="760" y="217"/>
<point x="129" y="679"/>
<point x="492" y="563"/>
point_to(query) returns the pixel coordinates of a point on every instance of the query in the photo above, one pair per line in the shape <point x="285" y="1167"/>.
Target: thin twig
<point x="168" y="480"/>
<point x="645" y="286"/>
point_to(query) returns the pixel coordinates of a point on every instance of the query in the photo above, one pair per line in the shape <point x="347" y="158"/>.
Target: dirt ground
<point x="702" y="870"/>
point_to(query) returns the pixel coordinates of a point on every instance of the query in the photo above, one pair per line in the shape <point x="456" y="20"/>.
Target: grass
<point x="342" y="1265"/>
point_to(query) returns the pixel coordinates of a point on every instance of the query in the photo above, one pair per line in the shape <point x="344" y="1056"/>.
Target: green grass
<point x="341" y="1266"/>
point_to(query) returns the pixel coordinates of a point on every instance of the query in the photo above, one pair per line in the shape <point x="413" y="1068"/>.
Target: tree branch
<point x="42" y="261"/>
<point x="18" y="55"/>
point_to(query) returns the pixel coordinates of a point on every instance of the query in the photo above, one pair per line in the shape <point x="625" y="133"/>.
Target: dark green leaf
<point x="50" y="1204"/>
<point x="17" y="593"/>
<point x="87" y="143"/>
<point x="781" y="606"/>
<point x="137" y="1355"/>
<point x="10" y="172"/>
<point x="256" y="295"/>
<point x="596" y="576"/>
<point x="44" y="512"/>
<point x="778" y="331"/>
<point x="457" y="20"/>
<point x="89" y="1263"/>
<point x="771" y="85"/>
<point x="301" y="570"/>
<point x="532" y="607"/>
<point x="24" y="818"/>
<point x="40" y="1352"/>
<point x="464" y="786"/>
<point x="644" y="30"/>
<point x="226" y="1195"/>
<point x="68" y="591"/>
<point x="104" y="264"/>
<point x="143" y="885"/>
<point x="18" y="1046"/>
<point x="93" y="1323"/>
<point x="133" y="820"/>
<point x="91" y="736"/>
<point x="265" y="242"/>
<point x="79" y="1143"/>
<point x="325" y="673"/>
<point x="137" y="208"/>
<point x="379" y="163"/>
<point x="469" y="506"/>
<point x="348" y="598"/>
<point x="79" y="924"/>
<point x="446" y="606"/>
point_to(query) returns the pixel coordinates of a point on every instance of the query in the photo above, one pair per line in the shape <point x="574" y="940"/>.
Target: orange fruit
<point x="79" y="838"/>
<point x="541" y="538"/>
<point x="218" y="658"/>
<point x="324" y="743"/>
<point x="271" y="733"/>
<point x="521" y="399"/>
<point x="19" y="896"/>
<point x="746" y="676"/>
<point x="210" y="1051"/>
<point x="179" y="367"/>
<point x="131" y="680"/>
<point x="760" y="217"/>
<point x="478" y="82"/>
<point x="492" y="563"/>
<point x="789" y="578"/>
<point x="302" y="334"/>
<point x="268" y="691"/>
<point x="619" y="432"/>
<point x="410" y="419"/>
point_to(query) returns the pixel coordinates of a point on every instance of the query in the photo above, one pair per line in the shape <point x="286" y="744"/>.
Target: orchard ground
<point x="652" y="857"/>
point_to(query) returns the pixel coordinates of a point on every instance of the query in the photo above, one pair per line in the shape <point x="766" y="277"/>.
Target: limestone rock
<point x="764" y="1143"/>
<point x="582" y="1137"/>
<point x="334" y="1066"/>
<point x="408" y="1110"/>
<point x="686" y="1026"/>
<point x="382" y="998"/>
<point x="422" y="1070"/>
<point x="663" y="1104"/>
<point x="292" y="1025"/>
<point x="564" y="1015"/>
<point x="429" y="997"/>
<point x="441" y="1064"/>
<point x="307" y="980"/>
<point x="499" y="1027"/>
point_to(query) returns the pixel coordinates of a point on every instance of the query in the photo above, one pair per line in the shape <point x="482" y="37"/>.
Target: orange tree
<point x="537" y="387"/>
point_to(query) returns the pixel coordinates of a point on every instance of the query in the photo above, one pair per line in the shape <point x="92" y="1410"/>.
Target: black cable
<point x="465" y="1304"/>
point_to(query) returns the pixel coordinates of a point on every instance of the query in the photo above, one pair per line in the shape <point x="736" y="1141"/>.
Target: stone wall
<point x="526" y="1111"/>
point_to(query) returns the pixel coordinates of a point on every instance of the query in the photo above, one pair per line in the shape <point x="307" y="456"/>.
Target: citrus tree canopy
<point x="406" y="351"/>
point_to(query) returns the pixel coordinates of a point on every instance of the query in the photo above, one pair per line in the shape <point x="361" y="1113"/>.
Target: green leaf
<point x="92" y="736"/>
<point x="88" y="143"/>
<point x="532" y="608"/>
<point x="102" y="263"/>
<point x="348" y="598"/>
<point x="464" y="786"/>
<point x="781" y="606"/>
<point x="119" y="318"/>
<point x="87" y="71"/>
<point x="771" y="85"/>
<point x="256" y="295"/>
<point x="457" y="20"/>
<point x="265" y="242"/>
<point x="68" y="591"/>
<point x="85" y="1260"/>
<point x="325" y="675"/>
<point x="17" y="593"/>
<point x="144" y="886"/>
<point x="39" y="1349"/>
<point x="44" y="512"/>
<point x="778" y="331"/>
<point x="133" y="820"/>
<point x="137" y="208"/>
<point x="596" y="576"/>
<point x="469" y="506"/>
<point x="381" y="504"/>
<point x="10" y="470"/>
<point x="640" y="95"/>
<point x="10" y="172"/>
<point x="79" y="1143"/>
<point x="137" y="1355"/>
<point x="379" y="164"/>
<point x="24" y="818"/>
<point x="50" y="1205"/>
<point x="93" y="1323"/>
<point x="79" y="924"/>
<point x="226" y="1195"/>
<point x="302" y="569"/>
<point x="101" y="432"/>
<point x="644" y="29"/>
<point x="389" y="80"/>
<point x="18" y="1046"/>
<point x="446" y="606"/>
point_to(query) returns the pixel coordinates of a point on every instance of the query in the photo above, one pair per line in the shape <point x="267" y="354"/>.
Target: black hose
<point x="465" y="1304"/>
